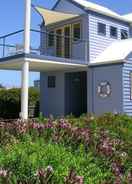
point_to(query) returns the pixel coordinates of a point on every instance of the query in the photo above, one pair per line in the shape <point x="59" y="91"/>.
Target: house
<point x="85" y="59"/>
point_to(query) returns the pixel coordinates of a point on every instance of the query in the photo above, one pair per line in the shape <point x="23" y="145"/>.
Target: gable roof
<point x="98" y="8"/>
<point x="116" y="52"/>
<point x="128" y="16"/>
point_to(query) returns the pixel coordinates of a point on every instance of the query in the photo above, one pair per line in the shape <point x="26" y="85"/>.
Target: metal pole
<point x="25" y="66"/>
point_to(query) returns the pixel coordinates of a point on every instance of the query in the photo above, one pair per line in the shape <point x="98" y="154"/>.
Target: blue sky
<point x="12" y="16"/>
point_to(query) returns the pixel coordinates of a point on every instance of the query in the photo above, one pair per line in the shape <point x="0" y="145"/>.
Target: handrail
<point x="55" y="34"/>
<point x="7" y="45"/>
<point x="37" y="31"/>
<point x="11" y="34"/>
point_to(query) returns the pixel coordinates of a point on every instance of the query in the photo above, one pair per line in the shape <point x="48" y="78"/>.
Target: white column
<point x="27" y="26"/>
<point x="24" y="90"/>
<point x="25" y="66"/>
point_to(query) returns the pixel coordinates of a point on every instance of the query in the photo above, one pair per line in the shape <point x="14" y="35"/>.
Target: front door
<point x="76" y="93"/>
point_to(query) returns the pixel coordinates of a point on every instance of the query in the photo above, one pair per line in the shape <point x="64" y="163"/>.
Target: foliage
<point x="10" y="101"/>
<point x="88" y="150"/>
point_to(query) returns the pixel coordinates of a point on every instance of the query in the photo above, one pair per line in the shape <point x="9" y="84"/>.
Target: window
<point x="51" y="81"/>
<point x="51" y="39"/>
<point x="113" y="32"/>
<point x="124" y="34"/>
<point x="77" y="32"/>
<point x="102" y="29"/>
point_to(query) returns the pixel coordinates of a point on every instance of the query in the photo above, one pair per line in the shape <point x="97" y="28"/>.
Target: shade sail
<point x="51" y="16"/>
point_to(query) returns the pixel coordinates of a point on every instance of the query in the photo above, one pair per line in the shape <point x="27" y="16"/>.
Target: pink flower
<point x="3" y="172"/>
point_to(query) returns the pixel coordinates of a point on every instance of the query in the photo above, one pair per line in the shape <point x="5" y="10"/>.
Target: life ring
<point x="104" y="89"/>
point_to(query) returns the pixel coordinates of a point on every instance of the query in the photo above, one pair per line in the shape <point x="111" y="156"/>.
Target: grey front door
<point x="76" y="93"/>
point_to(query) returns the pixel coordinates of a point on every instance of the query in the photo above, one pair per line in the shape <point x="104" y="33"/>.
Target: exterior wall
<point x="112" y="103"/>
<point x="98" y="43"/>
<point x="93" y="44"/>
<point x="68" y="7"/>
<point x="127" y="101"/>
<point x="52" y="99"/>
<point x="79" y="49"/>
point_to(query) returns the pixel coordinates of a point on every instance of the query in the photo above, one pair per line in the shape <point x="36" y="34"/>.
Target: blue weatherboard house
<point x="84" y="59"/>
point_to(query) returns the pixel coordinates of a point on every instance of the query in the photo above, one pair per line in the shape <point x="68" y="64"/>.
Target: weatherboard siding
<point x="68" y="7"/>
<point x="52" y="99"/>
<point x="98" y="43"/>
<point x="78" y="49"/>
<point x="127" y="102"/>
<point x="105" y="73"/>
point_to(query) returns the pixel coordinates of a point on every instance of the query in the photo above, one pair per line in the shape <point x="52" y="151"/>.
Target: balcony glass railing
<point x="66" y="48"/>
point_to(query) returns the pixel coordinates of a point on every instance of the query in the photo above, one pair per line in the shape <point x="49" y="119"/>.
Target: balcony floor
<point x="41" y="63"/>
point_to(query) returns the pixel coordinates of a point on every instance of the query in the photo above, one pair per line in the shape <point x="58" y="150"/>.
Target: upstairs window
<point x="77" y="32"/>
<point x="51" y="39"/>
<point x="102" y="29"/>
<point x="124" y="34"/>
<point x="113" y="32"/>
<point x="51" y="81"/>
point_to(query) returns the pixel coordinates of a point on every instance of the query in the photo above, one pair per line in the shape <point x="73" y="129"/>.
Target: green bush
<point x="10" y="102"/>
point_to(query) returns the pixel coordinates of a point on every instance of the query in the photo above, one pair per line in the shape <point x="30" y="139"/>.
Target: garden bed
<point x="87" y="150"/>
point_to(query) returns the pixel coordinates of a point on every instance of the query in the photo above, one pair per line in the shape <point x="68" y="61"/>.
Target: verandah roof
<point x="51" y="16"/>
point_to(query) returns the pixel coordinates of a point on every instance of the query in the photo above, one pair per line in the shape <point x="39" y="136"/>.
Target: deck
<point x="12" y="55"/>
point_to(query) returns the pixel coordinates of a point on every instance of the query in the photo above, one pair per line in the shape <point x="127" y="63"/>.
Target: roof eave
<point x="107" y="63"/>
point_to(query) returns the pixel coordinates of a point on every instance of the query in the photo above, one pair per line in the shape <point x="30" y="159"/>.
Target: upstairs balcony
<point x="47" y="46"/>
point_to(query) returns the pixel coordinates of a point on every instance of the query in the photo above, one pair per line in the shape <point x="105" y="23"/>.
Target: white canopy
<point x="51" y="16"/>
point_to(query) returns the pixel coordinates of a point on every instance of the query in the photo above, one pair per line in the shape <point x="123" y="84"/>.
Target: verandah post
<point x="25" y="65"/>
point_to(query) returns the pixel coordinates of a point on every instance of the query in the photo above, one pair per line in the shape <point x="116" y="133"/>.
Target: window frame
<point x="73" y="38"/>
<point x="114" y="37"/>
<point x="51" y="82"/>
<point x="101" y="33"/>
<point x="48" y="41"/>
<point x="125" y="30"/>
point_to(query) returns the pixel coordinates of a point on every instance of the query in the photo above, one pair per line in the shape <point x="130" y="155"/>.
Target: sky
<point x="12" y="19"/>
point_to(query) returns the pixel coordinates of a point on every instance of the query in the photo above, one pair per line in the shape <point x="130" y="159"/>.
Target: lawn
<point x="85" y="150"/>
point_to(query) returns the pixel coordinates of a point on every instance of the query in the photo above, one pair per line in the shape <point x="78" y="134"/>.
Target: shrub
<point x="10" y="102"/>
<point x="60" y="152"/>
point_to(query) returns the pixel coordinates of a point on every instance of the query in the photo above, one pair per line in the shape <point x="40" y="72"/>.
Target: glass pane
<point x="77" y="32"/>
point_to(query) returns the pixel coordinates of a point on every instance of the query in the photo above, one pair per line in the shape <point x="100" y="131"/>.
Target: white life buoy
<point x="104" y="89"/>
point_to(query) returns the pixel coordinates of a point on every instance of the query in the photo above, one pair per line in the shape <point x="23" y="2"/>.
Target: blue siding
<point x="127" y="102"/>
<point x="66" y="6"/>
<point x="98" y="43"/>
<point x="78" y="49"/>
<point x="52" y="99"/>
<point x="114" y="102"/>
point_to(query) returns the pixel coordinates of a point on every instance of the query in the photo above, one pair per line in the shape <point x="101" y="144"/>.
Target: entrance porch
<point x="69" y="95"/>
